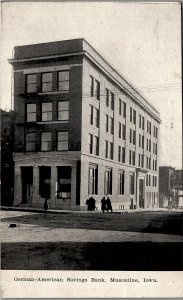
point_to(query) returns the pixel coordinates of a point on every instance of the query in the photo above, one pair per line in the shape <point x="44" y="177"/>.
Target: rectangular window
<point x="93" y="180"/>
<point x="63" y="80"/>
<point x="47" y="111"/>
<point x="107" y="97"/>
<point x="91" y="86"/>
<point x="130" y="135"/>
<point x="132" y="184"/>
<point x="96" y="145"/>
<point x="97" y="90"/>
<point x="139" y="140"/>
<point x="139" y="160"/>
<point x="124" y="109"/>
<point x="62" y="140"/>
<point x="111" y="150"/>
<point x="111" y="125"/>
<point x="31" y="112"/>
<point x="106" y="149"/>
<point x="46" y="141"/>
<point x="119" y="153"/>
<point x="142" y="161"/>
<point x="149" y="145"/>
<point x="46" y="82"/>
<point x="31" y="83"/>
<point x="107" y="123"/>
<point x="90" y="143"/>
<point x="108" y="182"/>
<point x="121" y="182"/>
<point x="148" y="127"/>
<point x="91" y="114"/>
<point x="119" y="130"/>
<point x="134" y="137"/>
<point x="134" y="116"/>
<point x="111" y="100"/>
<point x="154" y="134"/>
<point x="140" y="121"/>
<point x="143" y="123"/>
<point x="96" y="118"/>
<point x="146" y="180"/>
<point x="64" y="182"/>
<point x="133" y="158"/>
<point x="120" y="107"/>
<point x="30" y="141"/>
<point x="123" y="154"/>
<point x="124" y="132"/>
<point x="131" y="112"/>
<point x="142" y="142"/>
<point x="63" y="111"/>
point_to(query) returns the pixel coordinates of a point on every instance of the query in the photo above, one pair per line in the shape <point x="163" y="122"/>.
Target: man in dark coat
<point x="92" y="203"/>
<point x="108" y="204"/>
<point x="45" y="205"/>
<point x="103" y="204"/>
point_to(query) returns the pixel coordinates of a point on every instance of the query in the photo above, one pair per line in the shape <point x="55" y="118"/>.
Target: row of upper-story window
<point x="109" y="126"/>
<point x="110" y="98"/>
<point x="93" y="181"/>
<point x="109" y="153"/>
<point x="63" y="85"/>
<point x="47" y="111"/>
<point x="62" y="79"/>
<point x="45" y="141"/>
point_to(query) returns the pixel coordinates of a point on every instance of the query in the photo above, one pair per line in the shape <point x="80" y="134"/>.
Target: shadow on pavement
<point x="93" y="256"/>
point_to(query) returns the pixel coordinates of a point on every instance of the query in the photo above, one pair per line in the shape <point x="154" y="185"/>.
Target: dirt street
<point x="92" y="241"/>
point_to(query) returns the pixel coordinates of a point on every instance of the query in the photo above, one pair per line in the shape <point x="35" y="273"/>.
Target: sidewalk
<point x="58" y="211"/>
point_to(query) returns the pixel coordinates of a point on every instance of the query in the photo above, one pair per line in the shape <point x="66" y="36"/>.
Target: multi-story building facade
<point x="81" y="130"/>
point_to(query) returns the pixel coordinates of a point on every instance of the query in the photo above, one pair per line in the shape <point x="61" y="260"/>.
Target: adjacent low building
<point x="81" y="129"/>
<point x="7" y="163"/>
<point x="170" y="187"/>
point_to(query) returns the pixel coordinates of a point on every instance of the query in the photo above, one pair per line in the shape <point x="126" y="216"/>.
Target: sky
<point x="142" y="41"/>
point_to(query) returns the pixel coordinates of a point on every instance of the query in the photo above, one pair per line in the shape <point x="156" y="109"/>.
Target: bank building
<point x="80" y="130"/>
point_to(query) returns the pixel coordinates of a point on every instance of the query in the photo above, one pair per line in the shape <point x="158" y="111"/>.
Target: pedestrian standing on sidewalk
<point x="103" y="204"/>
<point x="108" y="204"/>
<point x="92" y="201"/>
<point x="45" y="205"/>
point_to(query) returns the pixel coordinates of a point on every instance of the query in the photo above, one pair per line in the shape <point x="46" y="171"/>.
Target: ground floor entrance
<point x="57" y="180"/>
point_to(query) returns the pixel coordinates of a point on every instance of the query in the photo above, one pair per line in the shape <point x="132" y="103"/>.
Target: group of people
<point x="105" y="204"/>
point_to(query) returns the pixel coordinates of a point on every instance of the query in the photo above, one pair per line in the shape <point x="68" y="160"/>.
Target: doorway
<point x="141" y="193"/>
<point x="45" y="182"/>
<point x="27" y="184"/>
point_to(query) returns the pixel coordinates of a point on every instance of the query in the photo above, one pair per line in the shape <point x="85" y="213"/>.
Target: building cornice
<point x="93" y="56"/>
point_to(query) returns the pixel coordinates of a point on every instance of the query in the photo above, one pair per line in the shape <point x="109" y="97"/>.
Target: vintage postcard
<point x="91" y="149"/>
